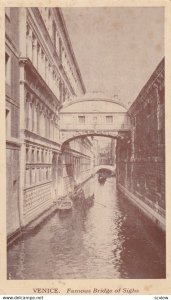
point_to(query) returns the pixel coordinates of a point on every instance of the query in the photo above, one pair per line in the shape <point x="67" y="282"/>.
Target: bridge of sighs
<point x="96" y="115"/>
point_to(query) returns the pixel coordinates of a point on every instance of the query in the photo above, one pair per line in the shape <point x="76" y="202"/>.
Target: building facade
<point x="141" y="153"/>
<point x="43" y="76"/>
<point x="93" y="114"/>
<point x="78" y="162"/>
<point x="12" y="116"/>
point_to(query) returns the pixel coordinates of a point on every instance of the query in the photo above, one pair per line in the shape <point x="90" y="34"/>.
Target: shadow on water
<point x="145" y="252"/>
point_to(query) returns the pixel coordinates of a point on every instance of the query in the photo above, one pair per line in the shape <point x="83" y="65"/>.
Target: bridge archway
<point x="95" y="115"/>
<point x="104" y="167"/>
<point x="78" y="135"/>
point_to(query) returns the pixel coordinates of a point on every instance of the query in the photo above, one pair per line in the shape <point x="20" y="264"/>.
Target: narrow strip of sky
<point x="117" y="49"/>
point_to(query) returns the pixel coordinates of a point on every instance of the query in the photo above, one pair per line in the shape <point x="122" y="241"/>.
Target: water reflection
<point x="111" y="239"/>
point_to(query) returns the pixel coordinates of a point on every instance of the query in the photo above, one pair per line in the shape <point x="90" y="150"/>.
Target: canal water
<point x="110" y="239"/>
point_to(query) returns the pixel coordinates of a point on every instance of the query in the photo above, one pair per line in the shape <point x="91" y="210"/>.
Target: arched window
<point x="27" y="155"/>
<point x="38" y="119"/>
<point x="32" y="115"/>
<point x="27" y="111"/>
<point x="42" y="156"/>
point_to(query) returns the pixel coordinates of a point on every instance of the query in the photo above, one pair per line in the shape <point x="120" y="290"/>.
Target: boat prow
<point x="101" y="178"/>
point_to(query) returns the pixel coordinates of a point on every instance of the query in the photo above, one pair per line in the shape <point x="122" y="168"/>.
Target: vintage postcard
<point x="85" y="166"/>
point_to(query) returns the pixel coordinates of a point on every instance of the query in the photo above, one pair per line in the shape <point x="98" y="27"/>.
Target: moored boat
<point x="65" y="204"/>
<point x="89" y="201"/>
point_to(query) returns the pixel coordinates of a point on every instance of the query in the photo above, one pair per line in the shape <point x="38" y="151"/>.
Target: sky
<point x="117" y="49"/>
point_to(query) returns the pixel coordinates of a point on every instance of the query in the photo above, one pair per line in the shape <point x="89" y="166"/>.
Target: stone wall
<point x="36" y="200"/>
<point x="141" y="154"/>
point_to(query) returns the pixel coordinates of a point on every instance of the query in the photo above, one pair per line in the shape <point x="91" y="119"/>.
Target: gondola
<point x="101" y="178"/>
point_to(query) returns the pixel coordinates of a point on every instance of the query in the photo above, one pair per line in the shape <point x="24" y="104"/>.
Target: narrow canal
<point x="111" y="239"/>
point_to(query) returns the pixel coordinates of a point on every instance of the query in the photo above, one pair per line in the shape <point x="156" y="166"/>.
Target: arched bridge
<point x="92" y="115"/>
<point x="107" y="167"/>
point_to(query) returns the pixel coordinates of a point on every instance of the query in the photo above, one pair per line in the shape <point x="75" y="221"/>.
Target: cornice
<point x="10" y="100"/>
<point x="27" y="63"/>
<point x="29" y="135"/>
<point x="44" y="39"/>
<point x="89" y="99"/>
<point x="11" y="46"/>
<point x="109" y="113"/>
<point x="13" y="143"/>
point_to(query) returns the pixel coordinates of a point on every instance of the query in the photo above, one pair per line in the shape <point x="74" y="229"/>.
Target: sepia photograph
<point x="85" y="142"/>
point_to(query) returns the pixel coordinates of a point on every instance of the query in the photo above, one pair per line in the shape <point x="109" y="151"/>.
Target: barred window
<point x="109" y="119"/>
<point x="81" y="119"/>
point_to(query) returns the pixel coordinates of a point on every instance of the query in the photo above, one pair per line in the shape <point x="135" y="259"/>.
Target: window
<point x="81" y="119"/>
<point x="32" y="112"/>
<point x="161" y="135"/>
<point x="8" y="123"/>
<point x="7" y="68"/>
<point x="161" y="96"/>
<point x="54" y="34"/>
<point x="38" y="156"/>
<point x="148" y="109"/>
<point x="46" y="156"/>
<point x="60" y="49"/>
<point x="64" y="93"/>
<point x="109" y="119"/>
<point x="26" y="114"/>
<point x="14" y="184"/>
<point x="134" y="121"/>
<point x="40" y="174"/>
<point x="38" y="119"/>
<point x="32" y="156"/>
<point x="27" y="177"/>
<point x="49" y="14"/>
<point x="33" y="178"/>
<point x="148" y="140"/>
<point x="47" y="174"/>
<point x="27" y="155"/>
<point x="42" y="156"/>
<point x="94" y="119"/>
<point x="159" y="184"/>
